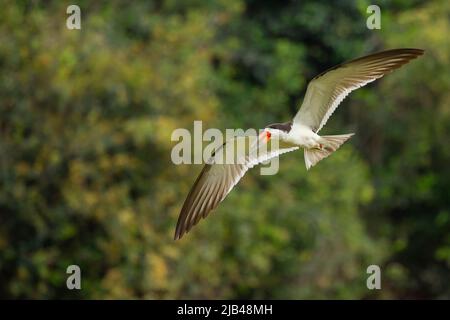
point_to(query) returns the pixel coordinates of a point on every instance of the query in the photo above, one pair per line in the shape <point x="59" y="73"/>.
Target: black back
<point x="285" y="126"/>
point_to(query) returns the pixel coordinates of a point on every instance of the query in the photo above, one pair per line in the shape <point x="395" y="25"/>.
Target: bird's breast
<point x="303" y="136"/>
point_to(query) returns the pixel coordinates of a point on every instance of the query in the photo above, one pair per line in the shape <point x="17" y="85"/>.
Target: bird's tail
<point x="328" y="144"/>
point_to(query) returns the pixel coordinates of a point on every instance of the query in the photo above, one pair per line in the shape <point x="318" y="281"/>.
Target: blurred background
<point x="86" y="178"/>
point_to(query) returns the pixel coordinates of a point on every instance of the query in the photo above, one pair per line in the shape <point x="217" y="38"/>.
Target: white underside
<point x="303" y="136"/>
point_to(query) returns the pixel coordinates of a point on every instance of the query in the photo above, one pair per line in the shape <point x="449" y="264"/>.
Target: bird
<point x="323" y="95"/>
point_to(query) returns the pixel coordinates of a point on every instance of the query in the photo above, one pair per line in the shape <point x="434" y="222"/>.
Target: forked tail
<point x="329" y="144"/>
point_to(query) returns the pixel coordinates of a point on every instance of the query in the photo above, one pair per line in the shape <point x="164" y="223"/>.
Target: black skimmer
<point x="323" y="95"/>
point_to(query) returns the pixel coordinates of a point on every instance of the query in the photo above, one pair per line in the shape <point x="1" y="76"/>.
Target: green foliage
<point x="86" y="176"/>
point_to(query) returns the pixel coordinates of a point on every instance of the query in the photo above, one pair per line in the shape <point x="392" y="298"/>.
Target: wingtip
<point x="416" y="51"/>
<point x="406" y="49"/>
<point x="177" y="235"/>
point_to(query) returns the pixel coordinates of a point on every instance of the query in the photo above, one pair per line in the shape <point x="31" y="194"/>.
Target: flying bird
<point x="323" y="95"/>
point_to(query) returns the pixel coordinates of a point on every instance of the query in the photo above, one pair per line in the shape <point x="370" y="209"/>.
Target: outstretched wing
<point x="327" y="90"/>
<point x="219" y="176"/>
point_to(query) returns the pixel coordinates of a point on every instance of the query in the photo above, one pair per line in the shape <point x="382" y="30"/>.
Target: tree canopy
<point x="85" y="170"/>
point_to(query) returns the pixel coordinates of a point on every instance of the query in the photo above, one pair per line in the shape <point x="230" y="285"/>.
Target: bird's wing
<point x="218" y="177"/>
<point x="327" y="90"/>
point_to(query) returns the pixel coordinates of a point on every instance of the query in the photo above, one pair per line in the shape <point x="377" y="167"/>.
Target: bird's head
<point x="271" y="133"/>
<point x="276" y="131"/>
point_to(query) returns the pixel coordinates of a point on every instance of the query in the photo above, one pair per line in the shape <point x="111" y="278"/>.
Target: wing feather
<point x="327" y="90"/>
<point x="216" y="180"/>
